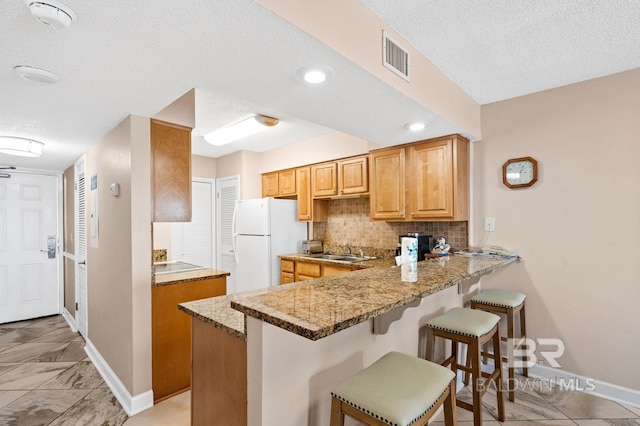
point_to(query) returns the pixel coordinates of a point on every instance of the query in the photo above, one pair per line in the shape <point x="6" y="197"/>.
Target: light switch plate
<point x="489" y="224"/>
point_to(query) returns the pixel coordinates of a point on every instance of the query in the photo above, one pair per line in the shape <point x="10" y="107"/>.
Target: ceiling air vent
<point x="395" y="57"/>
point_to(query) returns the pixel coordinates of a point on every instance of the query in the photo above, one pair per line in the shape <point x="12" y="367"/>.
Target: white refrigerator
<point x="263" y="229"/>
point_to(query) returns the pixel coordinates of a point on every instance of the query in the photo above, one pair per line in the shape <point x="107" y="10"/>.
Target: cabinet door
<point x="170" y="172"/>
<point x="171" y="333"/>
<point x="303" y="182"/>
<point x="353" y="176"/>
<point x="307" y="271"/>
<point x="431" y="175"/>
<point x="270" y="184"/>
<point x="324" y="180"/>
<point x="287" y="183"/>
<point x="388" y="184"/>
<point x="286" y="278"/>
<point x="309" y="210"/>
<point x="329" y="270"/>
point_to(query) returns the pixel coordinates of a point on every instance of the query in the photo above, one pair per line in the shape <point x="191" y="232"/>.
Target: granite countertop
<point x="217" y="312"/>
<point x="188" y="276"/>
<point x="354" y="266"/>
<point x="323" y="306"/>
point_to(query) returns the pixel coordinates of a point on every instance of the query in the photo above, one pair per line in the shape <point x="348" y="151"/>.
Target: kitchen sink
<point x="348" y="258"/>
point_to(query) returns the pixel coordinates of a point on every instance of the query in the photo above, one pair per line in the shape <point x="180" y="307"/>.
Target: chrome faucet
<point x="348" y="249"/>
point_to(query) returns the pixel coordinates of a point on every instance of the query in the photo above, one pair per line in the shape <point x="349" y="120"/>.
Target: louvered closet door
<point x="193" y="242"/>
<point x="82" y="297"/>
<point x="227" y="192"/>
<point x="29" y="279"/>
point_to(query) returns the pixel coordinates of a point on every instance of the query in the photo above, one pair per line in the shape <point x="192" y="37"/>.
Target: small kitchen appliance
<point x="312" y="246"/>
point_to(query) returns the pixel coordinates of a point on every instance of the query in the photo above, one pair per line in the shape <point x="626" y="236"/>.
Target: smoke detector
<point x="52" y="13"/>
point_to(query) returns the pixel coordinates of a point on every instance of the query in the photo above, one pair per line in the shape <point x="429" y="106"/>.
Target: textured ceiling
<point x="126" y="57"/>
<point x="501" y="49"/>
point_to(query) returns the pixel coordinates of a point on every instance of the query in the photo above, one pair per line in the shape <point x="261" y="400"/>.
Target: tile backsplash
<point x="348" y="222"/>
<point x="160" y="255"/>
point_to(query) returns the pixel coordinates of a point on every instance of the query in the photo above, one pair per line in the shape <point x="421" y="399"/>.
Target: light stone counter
<point x="188" y="276"/>
<point x="324" y="306"/>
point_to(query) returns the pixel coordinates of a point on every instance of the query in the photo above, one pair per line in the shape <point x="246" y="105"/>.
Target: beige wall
<point x="119" y="273"/>
<point x="577" y="228"/>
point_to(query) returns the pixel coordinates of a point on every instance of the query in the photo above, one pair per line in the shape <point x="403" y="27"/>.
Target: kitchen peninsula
<point x="301" y="339"/>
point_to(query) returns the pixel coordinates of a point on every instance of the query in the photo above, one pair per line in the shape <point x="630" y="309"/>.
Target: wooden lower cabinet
<point x="292" y="271"/>
<point x="307" y="271"/>
<point x="171" y="333"/>
<point x="329" y="270"/>
<point x="219" y="382"/>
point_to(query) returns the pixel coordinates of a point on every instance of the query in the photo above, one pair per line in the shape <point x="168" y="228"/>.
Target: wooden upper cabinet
<point x="324" y="180"/>
<point x="436" y="179"/>
<point x="287" y="183"/>
<point x="279" y="184"/>
<point x="309" y="210"/>
<point x="439" y="172"/>
<point x="270" y="185"/>
<point x="431" y="173"/>
<point x="170" y="172"/>
<point x="303" y="181"/>
<point x="353" y="176"/>
<point x="388" y="184"/>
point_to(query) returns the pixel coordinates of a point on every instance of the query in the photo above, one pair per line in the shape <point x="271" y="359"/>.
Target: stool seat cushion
<point x="500" y="298"/>
<point x="466" y="322"/>
<point x="397" y="389"/>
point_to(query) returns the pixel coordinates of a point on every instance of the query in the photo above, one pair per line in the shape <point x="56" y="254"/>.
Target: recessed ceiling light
<point x="314" y="75"/>
<point x="37" y="75"/>
<point x="20" y="146"/>
<point x="415" y="127"/>
<point x="240" y="129"/>
<point x="52" y="13"/>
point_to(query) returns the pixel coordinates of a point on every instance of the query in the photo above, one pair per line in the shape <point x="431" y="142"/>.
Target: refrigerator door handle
<point x="234" y="235"/>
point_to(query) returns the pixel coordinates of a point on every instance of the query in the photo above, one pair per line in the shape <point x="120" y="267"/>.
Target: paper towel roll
<point x="409" y="249"/>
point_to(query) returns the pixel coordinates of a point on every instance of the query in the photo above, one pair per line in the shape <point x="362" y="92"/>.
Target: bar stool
<point x="474" y="328"/>
<point x="397" y="389"/>
<point x="509" y="303"/>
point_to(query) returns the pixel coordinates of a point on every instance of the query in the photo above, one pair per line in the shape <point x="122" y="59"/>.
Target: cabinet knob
<point x="413" y="213"/>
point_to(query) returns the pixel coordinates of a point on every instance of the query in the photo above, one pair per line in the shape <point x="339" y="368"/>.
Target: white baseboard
<point x="131" y="404"/>
<point x="70" y="319"/>
<point x="589" y="385"/>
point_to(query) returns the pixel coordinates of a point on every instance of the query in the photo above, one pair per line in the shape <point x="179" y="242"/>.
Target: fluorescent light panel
<point x="20" y="146"/>
<point x="241" y="129"/>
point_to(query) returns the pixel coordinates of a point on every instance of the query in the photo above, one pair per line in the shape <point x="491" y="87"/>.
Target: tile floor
<point x="46" y="379"/>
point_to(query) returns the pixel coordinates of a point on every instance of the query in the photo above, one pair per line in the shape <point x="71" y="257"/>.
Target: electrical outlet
<point x="489" y="224"/>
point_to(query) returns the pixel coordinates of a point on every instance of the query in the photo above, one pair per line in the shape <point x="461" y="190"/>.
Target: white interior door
<point x="80" y="201"/>
<point x="227" y="192"/>
<point x="29" y="252"/>
<point x="193" y="242"/>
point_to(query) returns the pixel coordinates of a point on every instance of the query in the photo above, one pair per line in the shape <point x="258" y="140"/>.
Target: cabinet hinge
<point x="76" y="306"/>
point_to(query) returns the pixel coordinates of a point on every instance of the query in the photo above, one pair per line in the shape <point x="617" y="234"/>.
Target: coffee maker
<point x="425" y="243"/>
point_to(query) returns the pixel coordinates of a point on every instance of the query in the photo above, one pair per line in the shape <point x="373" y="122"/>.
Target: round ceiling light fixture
<point x="20" y="146"/>
<point x="36" y="75"/>
<point x="52" y="13"/>
<point x="415" y="127"/>
<point x="314" y="75"/>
